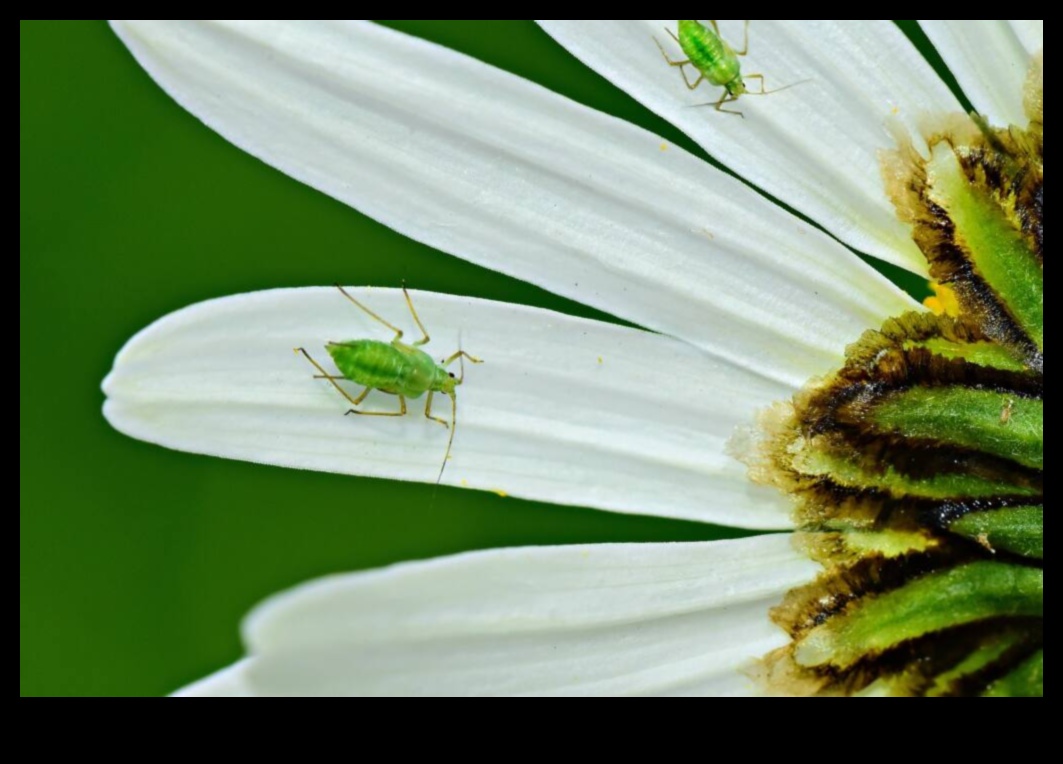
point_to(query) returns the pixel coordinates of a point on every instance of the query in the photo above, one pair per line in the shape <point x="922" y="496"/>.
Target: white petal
<point x="682" y="619"/>
<point x="815" y="146"/>
<point x="228" y="683"/>
<point x="563" y="410"/>
<point x="990" y="59"/>
<point x="1031" y="33"/>
<point x="499" y="171"/>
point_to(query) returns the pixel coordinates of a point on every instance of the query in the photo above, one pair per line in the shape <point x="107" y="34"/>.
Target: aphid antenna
<point x="453" y="417"/>
<point x="747" y="95"/>
<point x="450" y="440"/>
<point x="779" y="90"/>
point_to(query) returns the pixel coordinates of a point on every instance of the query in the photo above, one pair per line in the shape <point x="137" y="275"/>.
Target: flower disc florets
<point x="918" y="467"/>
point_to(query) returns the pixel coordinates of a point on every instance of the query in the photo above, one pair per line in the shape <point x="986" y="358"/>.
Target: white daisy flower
<point x="741" y="304"/>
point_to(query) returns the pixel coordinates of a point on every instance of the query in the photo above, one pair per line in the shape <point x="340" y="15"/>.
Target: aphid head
<point x="446" y="381"/>
<point x="736" y="87"/>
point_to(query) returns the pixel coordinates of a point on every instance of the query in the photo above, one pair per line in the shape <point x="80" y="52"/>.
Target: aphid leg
<point x="334" y="380"/>
<point x="428" y="410"/>
<point x="763" y="89"/>
<point x="1007" y="412"/>
<point x="745" y="42"/>
<point x="416" y="319"/>
<point x="392" y="327"/>
<point x="450" y="440"/>
<point x="727" y="98"/>
<point x="461" y="354"/>
<point x="692" y="85"/>
<point x="357" y="401"/>
<point x="400" y="412"/>
<point x="680" y="64"/>
<point x="715" y="26"/>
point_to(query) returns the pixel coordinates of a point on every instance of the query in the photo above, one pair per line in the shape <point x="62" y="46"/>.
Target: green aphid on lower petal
<point x="394" y="368"/>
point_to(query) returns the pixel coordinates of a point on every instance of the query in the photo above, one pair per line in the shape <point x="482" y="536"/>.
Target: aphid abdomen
<point x="370" y="363"/>
<point x="418" y="373"/>
<point x="708" y="53"/>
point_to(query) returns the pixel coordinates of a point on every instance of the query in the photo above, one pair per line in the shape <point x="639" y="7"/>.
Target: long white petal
<point x="990" y="59"/>
<point x="1031" y="33"/>
<point x="815" y="146"/>
<point x="494" y="169"/>
<point x="563" y="410"/>
<point x="227" y="683"/>
<point x="610" y="620"/>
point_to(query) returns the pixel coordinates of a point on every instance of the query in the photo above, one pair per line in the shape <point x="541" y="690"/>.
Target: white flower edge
<point x="654" y="619"/>
<point x="990" y="59"/>
<point x="227" y="683"/>
<point x="816" y="145"/>
<point x="499" y="171"/>
<point x="563" y="410"/>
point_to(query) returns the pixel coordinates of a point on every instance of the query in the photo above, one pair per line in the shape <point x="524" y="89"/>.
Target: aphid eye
<point x="452" y="375"/>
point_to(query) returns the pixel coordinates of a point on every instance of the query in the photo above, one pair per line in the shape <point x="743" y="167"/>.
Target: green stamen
<point x="1027" y="681"/>
<point x="918" y="468"/>
<point x="1019" y="530"/>
<point x="973" y="593"/>
<point x="980" y="353"/>
<point x="996" y="247"/>
<point x="1005" y="427"/>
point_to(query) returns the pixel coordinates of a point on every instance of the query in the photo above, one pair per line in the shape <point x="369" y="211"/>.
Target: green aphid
<point x="715" y="61"/>
<point x="395" y="368"/>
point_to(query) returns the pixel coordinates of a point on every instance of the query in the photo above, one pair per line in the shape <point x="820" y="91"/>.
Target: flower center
<point x="918" y="468"/>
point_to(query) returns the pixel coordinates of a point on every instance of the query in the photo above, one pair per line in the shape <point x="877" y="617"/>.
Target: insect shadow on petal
<point x="396" y="368"/>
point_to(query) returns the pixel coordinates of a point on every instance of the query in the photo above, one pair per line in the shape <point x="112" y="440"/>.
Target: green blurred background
<point x="136" y="564"/>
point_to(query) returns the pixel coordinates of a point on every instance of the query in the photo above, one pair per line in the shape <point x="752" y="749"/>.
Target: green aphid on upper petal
<point x="715" y="62"/>
<point x="918" y="468"/>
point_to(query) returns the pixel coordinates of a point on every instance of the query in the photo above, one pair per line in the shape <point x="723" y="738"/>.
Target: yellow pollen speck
<point x="895" y="110"/>
<point x="944" y="302"/>
<point x="464" y="483"/>
<point x="600" y="361"/>
<point x="500" y="493"/>
<point x="664" y="147"/>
